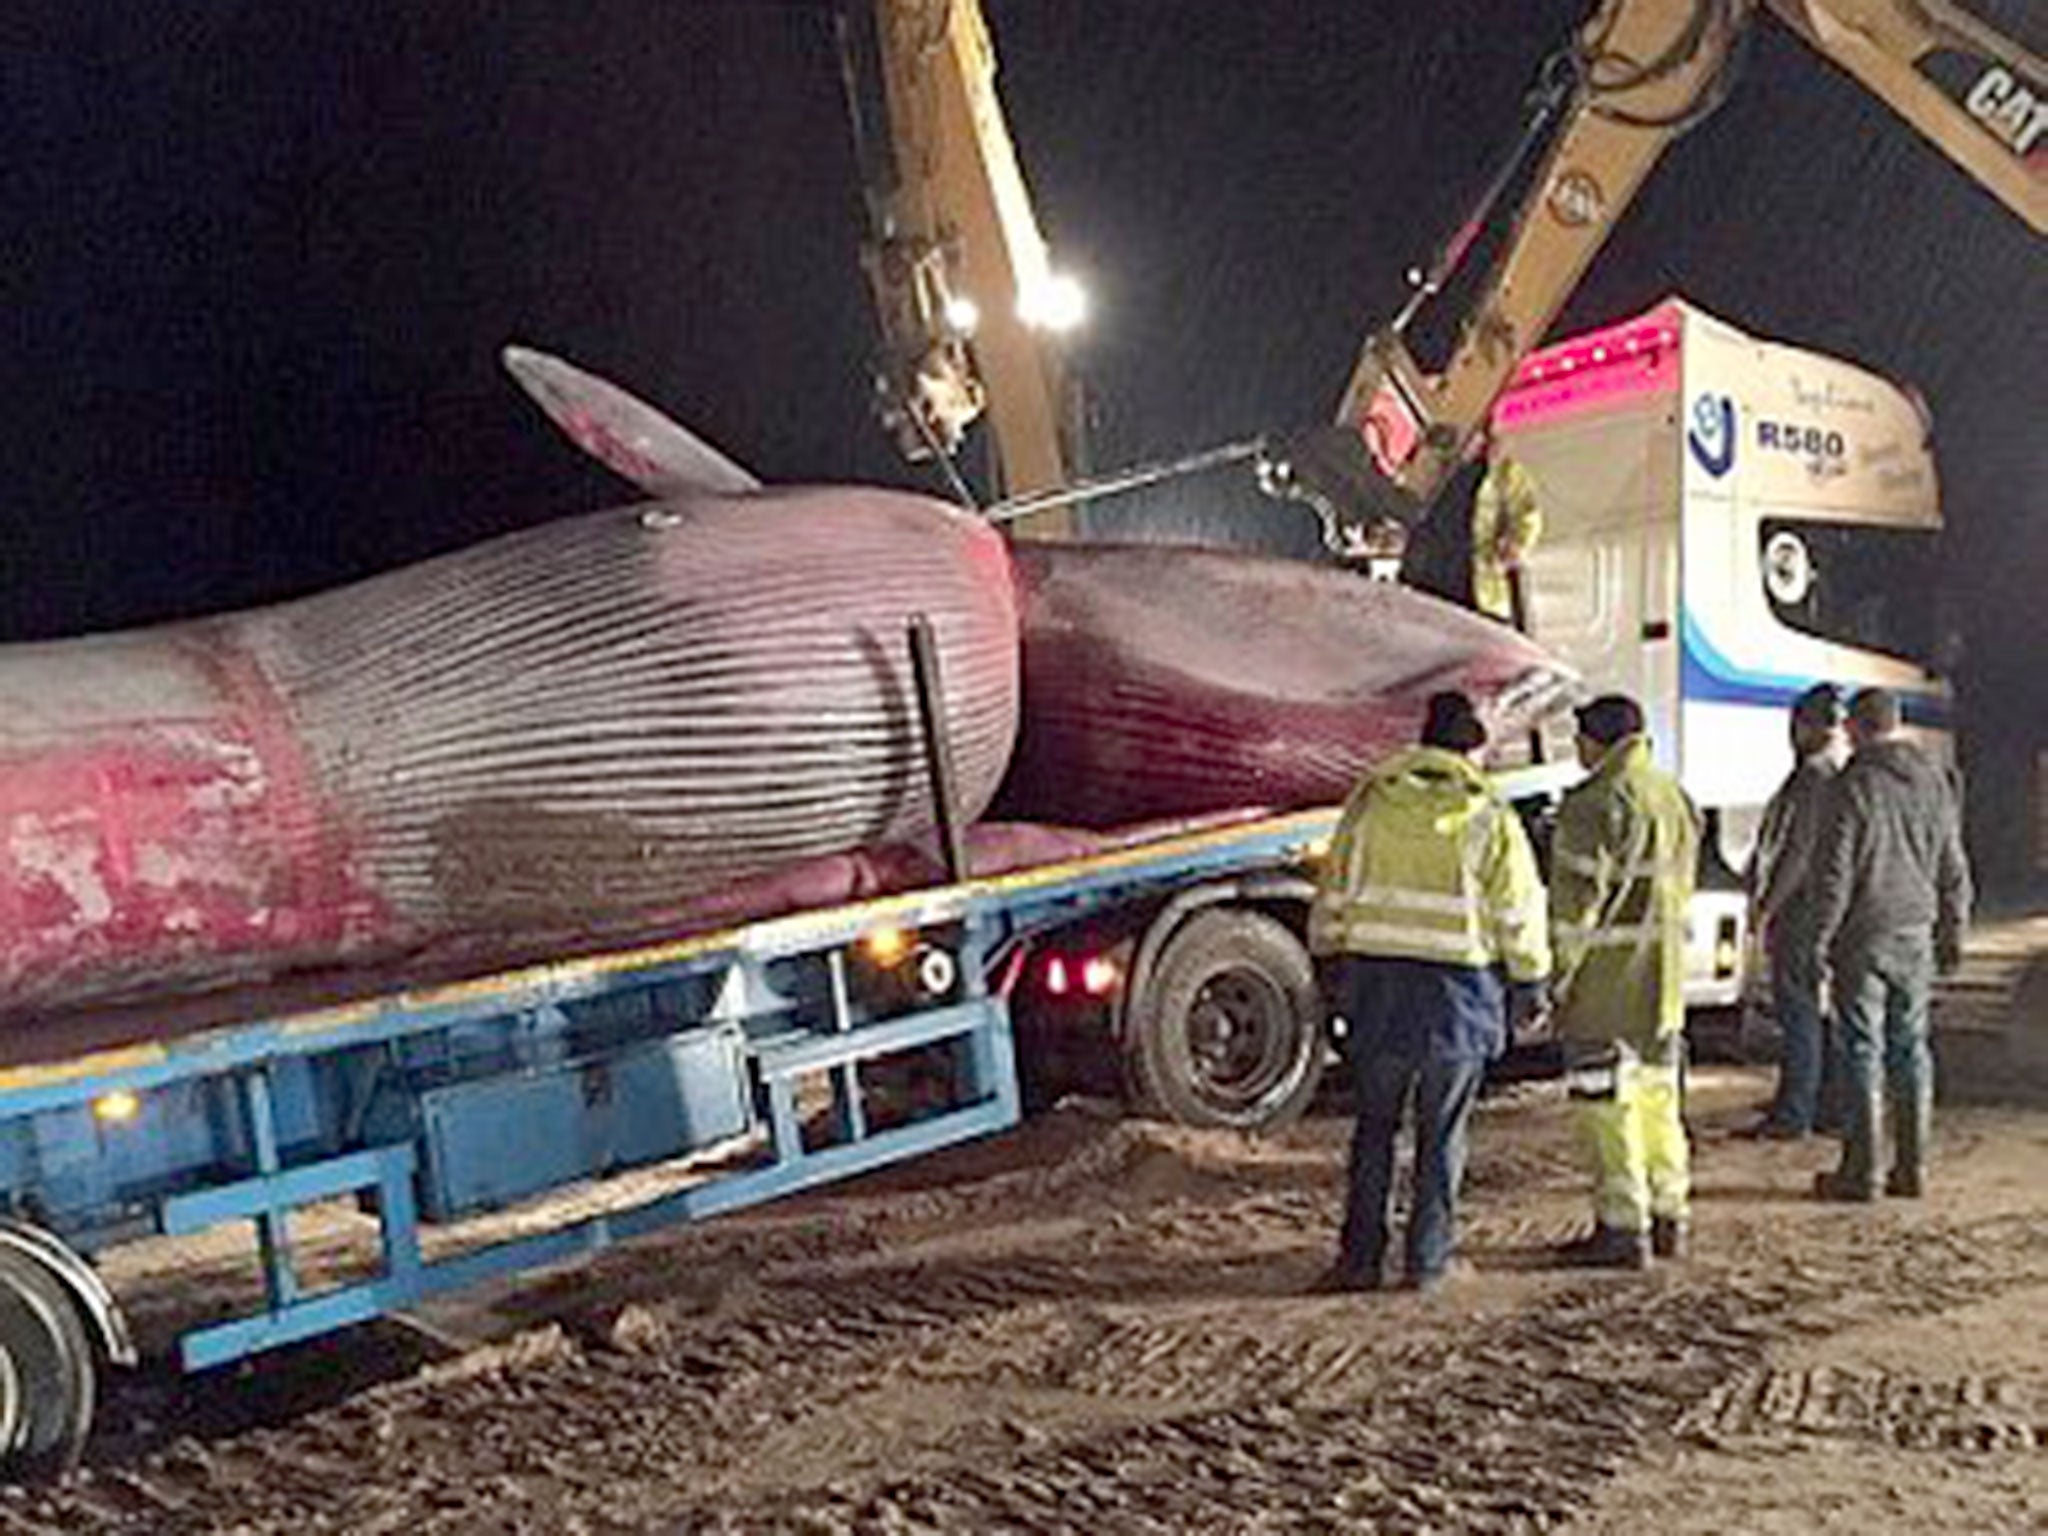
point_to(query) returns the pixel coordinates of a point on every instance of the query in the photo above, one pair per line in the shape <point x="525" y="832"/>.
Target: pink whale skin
<point x="555" y="730"/>
<point x="1166" y="681"/>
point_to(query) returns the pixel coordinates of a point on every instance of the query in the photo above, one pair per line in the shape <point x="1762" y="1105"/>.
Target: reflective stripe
<point x="1653" y="869"/>
<point x="1404" y="896"/>
<point x="1626" y="933"/>
<point x="1453" y="946"/>
<point x="1608" y="935"/>
<point x="1592" y="1082"/>
<point x="1435" y="922"/>
<point x="1636" y="869"/>
<point x="1515" y="919"/>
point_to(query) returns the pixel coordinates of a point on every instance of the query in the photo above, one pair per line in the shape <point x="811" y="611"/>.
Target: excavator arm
<point x="1980" y="96"/>
<point x="968" y="302"/>
<point x="1637" y="75"/>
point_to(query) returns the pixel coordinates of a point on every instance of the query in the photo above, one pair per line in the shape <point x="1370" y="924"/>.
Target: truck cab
<point x="1727" y="521"/>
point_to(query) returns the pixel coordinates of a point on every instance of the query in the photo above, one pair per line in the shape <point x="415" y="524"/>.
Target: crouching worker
<point x="1623" y="864"/>
<point x="1429" y="915"/>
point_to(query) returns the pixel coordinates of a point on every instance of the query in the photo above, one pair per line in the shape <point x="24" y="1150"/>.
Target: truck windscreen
<point x="1871" y="587"/>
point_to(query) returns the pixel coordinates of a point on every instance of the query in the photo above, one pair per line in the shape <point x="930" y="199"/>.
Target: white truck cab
<point x="1727" y="521"/>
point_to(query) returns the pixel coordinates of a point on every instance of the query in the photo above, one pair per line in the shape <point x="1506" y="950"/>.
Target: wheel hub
<point x="1238" y="1032"/>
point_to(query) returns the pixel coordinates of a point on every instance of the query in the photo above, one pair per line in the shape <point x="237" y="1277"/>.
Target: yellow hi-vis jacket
<point x="1428" y="862"/>
<point x="1622" y="865"/>
<point x="1507" y="520"/>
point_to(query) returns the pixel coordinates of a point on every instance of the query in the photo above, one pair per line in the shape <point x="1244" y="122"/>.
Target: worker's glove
<point x="1948" y="953"/>
<point x="1528" y="1010"/>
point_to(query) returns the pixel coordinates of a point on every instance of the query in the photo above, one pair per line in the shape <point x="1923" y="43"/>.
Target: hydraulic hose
<point x="1604" y="73"/>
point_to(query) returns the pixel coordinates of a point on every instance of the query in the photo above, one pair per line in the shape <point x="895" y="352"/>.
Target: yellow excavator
<point x="1637" y="75"/>
<point x="970" y="304"/>
<point x="969" y="300"/>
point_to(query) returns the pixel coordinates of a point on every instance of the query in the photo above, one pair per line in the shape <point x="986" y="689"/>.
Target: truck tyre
<point x="46" y="1373"/>
<point x="1228" y="1029"/>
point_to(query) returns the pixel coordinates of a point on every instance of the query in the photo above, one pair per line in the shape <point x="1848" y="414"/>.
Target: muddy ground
<point x="1099" y="1324"/>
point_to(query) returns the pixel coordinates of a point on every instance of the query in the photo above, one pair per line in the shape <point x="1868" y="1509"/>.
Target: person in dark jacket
<point x="1891" y="898"/>
<point x="1781" y="893"/>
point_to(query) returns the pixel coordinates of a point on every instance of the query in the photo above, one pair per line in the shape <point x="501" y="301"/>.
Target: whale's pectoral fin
<point x="626" y="435"/>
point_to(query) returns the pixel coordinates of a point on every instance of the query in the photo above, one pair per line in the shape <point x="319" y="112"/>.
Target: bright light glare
<point x="1098" y="976"/>
<point x="1057" y="304"/>
<point x="962" y="315"/>
<point x="1056" y="976"/>
<point x="886" y="946"/>
<point x="117" y="1106"/>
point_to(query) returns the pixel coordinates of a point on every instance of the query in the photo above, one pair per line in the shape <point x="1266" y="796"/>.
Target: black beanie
<point x="1609" y="718"/>
<point x="1453" y="724"/>
<point x="1821" y="705"/>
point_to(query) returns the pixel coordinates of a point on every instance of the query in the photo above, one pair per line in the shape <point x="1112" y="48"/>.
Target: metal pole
<point x="938" y="756"/>
<point x="1124" y="480"/>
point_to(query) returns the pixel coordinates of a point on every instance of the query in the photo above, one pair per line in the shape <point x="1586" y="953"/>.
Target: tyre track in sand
<point x="1514" y="1430"/>
<point x="1123" y="1348"/>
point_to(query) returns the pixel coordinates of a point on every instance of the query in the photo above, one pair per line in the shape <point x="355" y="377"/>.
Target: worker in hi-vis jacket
<point x="1507" y="519"/>
<point x="1623" y="865"/>
<point x="1429" y="910"/>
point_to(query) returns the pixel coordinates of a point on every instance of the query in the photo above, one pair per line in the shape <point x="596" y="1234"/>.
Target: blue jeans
<point x="1881" y="999"/>
<point x="1795" y="997"/>
<point x="1444" y="1092"/>
<point x="1424" y="1031"/>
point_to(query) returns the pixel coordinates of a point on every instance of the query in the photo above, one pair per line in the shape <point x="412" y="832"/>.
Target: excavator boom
<point x="964" y="289"/>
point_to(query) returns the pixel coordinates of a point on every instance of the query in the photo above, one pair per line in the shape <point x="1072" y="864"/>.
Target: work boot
<point x="1855" y="1177"/>
<point x="1905" y="1182"/>
<point x="1844" y="1184"/>
<point x="1342" y="1280"/>
<point x="1776" y="1130"/>
<point x="1912" y="1108"/>
<point x="1669" y="1237"/>
<point x="1607" y="1247"/>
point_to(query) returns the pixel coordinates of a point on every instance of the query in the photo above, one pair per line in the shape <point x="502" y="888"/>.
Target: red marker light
<point x="1098" y="976"/>
<point x="1056" y="981"/>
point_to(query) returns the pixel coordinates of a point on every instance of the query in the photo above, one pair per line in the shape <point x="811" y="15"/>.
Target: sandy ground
<point x="1099" y="1324"/>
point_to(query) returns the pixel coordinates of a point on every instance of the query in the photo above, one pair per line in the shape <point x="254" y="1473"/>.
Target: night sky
<point x="259" y="256"/>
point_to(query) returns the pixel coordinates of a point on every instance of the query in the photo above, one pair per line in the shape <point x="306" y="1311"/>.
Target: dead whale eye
<point x="1788" y="568"/>
<point x="658" y="518"/>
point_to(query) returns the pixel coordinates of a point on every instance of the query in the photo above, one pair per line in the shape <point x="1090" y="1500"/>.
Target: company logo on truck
<point x="1823" y="450"/>
<point x="1711" y="435"/>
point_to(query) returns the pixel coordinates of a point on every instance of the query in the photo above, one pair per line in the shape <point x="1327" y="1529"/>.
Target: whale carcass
<point x="683" y="711"/>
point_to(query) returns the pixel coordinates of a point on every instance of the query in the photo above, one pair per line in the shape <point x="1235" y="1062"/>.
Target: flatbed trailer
<point x="778" y="1055"/>
<point x="760" y="1059"/>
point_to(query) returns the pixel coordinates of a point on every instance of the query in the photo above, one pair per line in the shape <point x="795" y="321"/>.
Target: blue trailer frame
<point x="435" y="1105"/>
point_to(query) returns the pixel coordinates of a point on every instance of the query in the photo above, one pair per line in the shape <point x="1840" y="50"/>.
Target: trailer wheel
<point x="46" y="1373"/>
<point x="1228" y="1030"/>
